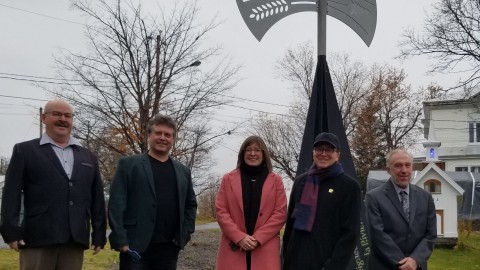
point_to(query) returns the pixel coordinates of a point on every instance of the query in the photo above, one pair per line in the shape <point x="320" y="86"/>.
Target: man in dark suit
<point x="58" y="183"/>
<point x="152" y="204"/>
<point x="401" y="219"/>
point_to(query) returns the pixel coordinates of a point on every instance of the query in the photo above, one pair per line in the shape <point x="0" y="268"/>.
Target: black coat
<point x="332" y="241"/>
<point x="56" y="209"/>
<point x="132" y="204"/>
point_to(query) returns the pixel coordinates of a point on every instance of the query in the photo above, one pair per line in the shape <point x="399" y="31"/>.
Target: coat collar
<point x="391" y="194"/>
<point x="236" y="183"/>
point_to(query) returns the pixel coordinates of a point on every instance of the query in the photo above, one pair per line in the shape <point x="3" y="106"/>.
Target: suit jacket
<point x="56" y="209"/>
<point x="132" y="205"/>
<point x="331" y="243"/>
<point x="393" y="235"/>
<point x="230" y="217"/>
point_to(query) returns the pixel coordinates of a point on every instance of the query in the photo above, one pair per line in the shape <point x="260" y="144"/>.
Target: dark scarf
<point x="252" y="184"/>
<point x="306" y="208"/>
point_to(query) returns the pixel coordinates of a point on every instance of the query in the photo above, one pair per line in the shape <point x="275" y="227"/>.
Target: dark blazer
<point x="132" y="204"/>
<point x="331" y="243"/>
<point x="394" y="236"/>
<point x="56" y="209"/>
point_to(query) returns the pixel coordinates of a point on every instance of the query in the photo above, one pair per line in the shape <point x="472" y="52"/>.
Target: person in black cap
<point x="323" y="214"/>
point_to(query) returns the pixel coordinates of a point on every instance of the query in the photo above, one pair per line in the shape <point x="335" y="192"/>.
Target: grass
<point x="102" y="261"/>
<point x="466" y="256"/>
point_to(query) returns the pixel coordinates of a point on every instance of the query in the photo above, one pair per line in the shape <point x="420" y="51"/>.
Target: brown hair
<point x="160" y="119"/>
<point x="255" y="140"/>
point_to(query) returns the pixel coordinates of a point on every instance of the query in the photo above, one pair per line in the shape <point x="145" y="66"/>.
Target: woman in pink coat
<point x="251" y="209"/>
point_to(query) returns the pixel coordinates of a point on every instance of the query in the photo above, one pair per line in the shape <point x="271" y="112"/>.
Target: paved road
<point x="208" y="226"/>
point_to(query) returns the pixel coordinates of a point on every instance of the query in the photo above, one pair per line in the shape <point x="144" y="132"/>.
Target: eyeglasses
<point x="320" y="150"/>
<point x="255" y="150"/>
<point x="59" y="115"/>
<point x="134" y="255"/>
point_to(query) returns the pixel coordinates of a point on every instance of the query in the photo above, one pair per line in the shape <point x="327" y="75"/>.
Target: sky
<point x="32" y="32"/>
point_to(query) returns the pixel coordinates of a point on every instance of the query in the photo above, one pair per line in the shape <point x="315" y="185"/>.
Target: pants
<point x="158" y="256"/>
<point x="55" y="257"/>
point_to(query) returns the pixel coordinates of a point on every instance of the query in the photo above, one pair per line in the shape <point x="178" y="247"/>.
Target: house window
<point x="468" y="169"/>
<point x="433" y="186"/>
<point x="474" y="132"/>
<point x="475" y="169"/>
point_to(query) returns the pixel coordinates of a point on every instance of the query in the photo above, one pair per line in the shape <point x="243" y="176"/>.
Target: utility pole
<point x="40" y="121"/>
<point x="157" y="65"/>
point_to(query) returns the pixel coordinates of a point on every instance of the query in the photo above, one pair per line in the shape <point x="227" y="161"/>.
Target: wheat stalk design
<point x="268" y="9"/>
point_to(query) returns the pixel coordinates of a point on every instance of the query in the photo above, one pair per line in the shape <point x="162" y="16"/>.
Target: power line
<point x="43" y="15"/>
<point x="24" y="98"/>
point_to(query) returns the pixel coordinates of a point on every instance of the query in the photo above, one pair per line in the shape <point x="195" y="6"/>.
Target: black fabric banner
<point x="324" y="116"/>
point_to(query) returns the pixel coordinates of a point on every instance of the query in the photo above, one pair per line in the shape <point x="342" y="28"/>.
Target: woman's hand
<point x="248" y="243"/>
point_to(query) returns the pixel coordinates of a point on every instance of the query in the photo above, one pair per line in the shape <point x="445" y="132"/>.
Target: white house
<point x="456" y="125"/>
<point x="445" y="192"/>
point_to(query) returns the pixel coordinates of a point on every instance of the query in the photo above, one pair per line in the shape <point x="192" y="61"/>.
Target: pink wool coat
<point x="271" y="218"/>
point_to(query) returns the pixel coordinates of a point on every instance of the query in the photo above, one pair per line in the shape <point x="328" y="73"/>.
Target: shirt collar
<point x="45" y="139"/>
<point x="398" y="189"/>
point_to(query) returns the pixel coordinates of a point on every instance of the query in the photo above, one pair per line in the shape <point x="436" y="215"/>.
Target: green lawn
<point x="102" y="261"/>
<point x="467" y="258"/>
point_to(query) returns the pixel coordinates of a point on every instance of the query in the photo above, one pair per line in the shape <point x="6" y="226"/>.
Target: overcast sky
<point x="33" y="31"/>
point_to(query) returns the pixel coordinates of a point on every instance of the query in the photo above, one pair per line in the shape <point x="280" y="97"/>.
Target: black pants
<point x="158" y="256"/>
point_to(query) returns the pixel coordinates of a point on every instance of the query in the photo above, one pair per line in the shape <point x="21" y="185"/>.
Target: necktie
<point x="404" y="202"/>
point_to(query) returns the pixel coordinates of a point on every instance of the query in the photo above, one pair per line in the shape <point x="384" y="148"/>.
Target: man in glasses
<point x="152" y="204"/>
<point x="323" y="214"/>
<point x="401" y="219"/>
<point x="58" y="183"/>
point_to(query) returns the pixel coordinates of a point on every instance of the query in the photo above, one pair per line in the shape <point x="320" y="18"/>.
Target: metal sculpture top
<point x="261" y="15"/>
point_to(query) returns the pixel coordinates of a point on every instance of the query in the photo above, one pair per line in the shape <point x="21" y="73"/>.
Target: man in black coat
<point x="58" y="183"/>
<point x="323" y="213"/>
<point x="152" y="204"/>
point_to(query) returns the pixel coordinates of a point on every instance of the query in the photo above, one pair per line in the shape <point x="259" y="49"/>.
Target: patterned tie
<point x="404" y="202"/>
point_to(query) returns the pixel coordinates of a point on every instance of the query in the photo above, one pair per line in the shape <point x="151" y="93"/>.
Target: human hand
<point x="407" y="263"/>
<point x="96" y="249"/>
<point x="15" y="245"/>
<point x="248" y="243"/>
<point x="124" y="248"/>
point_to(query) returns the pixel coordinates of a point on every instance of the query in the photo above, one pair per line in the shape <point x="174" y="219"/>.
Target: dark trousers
<point x="158" y="256"/>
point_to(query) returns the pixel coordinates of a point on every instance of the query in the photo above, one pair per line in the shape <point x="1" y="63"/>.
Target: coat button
<point x="70" y="183"/>
<point x="70" y="203"/>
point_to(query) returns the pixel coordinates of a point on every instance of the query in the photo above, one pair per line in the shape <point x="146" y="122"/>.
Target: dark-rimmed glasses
<point x="326" y="150"/>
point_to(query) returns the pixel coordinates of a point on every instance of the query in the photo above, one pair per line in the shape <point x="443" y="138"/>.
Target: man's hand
<point x="95" y="249"/>
<point x="124" y="249"/>
<point x="16" y="245"/>
<point x="407" y="263"/>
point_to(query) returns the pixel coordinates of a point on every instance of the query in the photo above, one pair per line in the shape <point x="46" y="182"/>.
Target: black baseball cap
<point x="326" y="137"/>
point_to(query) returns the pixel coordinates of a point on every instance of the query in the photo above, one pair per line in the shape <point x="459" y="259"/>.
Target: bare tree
<point x="283" y="134"/>
<point x="138" y="66"/>
<point x="3" y="165"/>
<point x="206" y="200"/>
<point x="451" y="36"/>
<point x="388" y="120"/>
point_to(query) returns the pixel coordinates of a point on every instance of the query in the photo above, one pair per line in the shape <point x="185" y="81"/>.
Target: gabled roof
<point x="432" y="167"/>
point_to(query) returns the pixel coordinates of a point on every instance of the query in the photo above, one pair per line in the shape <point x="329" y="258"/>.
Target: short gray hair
<point x="397" y="151"/>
